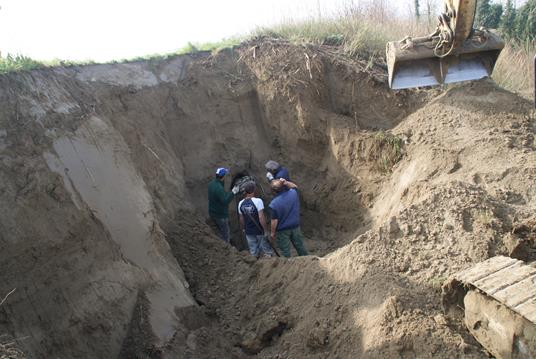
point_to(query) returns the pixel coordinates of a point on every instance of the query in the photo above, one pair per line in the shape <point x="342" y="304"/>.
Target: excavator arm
<point x="454" y="52"/>
<point x="462" y="14"/>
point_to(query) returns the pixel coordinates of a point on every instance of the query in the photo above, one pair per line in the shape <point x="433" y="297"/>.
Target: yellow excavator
<point x="454" y="52"/>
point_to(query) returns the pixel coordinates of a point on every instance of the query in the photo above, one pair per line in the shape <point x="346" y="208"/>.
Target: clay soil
<point x="399" y="190"/>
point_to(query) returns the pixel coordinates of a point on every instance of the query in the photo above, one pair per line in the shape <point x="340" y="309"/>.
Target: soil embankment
<point x="103" y="197"/>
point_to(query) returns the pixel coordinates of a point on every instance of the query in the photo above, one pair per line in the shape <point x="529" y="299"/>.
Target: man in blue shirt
<point x="285" y="225"/>
<point x="276" y="171"/>
<point x="253" y="222"/>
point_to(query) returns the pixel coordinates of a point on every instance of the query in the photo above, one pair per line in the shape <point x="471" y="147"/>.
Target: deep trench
<point x="193" y="118"/>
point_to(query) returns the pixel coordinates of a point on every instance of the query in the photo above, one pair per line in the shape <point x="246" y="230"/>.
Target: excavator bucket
<point x="417" y="65"/>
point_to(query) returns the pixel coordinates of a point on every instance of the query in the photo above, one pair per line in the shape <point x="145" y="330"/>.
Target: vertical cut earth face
<point x="103" y="175"/>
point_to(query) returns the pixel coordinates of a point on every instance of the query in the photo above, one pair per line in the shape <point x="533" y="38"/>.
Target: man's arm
<point x="262" y="219"/>
<point x="283" y="173"/>
<point x="225" y="197"/>
<point x="289" y="184"/>
<point x="242" y="224"/>
<point x="274" y="227"/>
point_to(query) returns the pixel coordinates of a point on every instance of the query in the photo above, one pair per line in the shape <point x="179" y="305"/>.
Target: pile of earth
<point x="104" y="171"/>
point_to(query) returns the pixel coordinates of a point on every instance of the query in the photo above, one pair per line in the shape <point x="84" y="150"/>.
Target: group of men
<point x="284" y="228"/>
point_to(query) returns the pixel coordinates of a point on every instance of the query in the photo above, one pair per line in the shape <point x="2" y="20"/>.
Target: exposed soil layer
<point x="103" y="175"/>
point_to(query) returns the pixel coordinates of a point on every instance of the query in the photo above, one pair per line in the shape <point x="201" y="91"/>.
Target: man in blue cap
<point x="218" y="203"/>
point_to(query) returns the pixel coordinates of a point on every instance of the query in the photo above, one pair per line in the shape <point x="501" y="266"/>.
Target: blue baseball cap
<point x="220" y="172"/>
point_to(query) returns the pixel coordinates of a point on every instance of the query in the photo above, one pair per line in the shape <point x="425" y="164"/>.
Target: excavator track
<point x="498" y="297"/>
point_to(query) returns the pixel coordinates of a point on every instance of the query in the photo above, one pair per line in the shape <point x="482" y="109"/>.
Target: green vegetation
<point x="525" y="22"/>
<point x="210" y="46"/>
<point x="484" y="217"/>
<point x="437" y="282"/>
<point x="15" y="63"/>
<point x="390" y="150"/>
<point x="354" y="31"/>
<point x="364" y="30"/>
<point x="192" y="48"/>
<point x="514" y="70"/>
<point x="383" y="149"/>
<point x="488" y="15"/>
<point x="515" y="24"/>
<point x="518" y="27"/>
<point x="508" y="20"/>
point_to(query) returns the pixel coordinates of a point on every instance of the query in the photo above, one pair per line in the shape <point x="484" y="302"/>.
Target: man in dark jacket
<point x="218" y="203"/>
<point x="285" y="226"/>
<point x="276" y="171"/>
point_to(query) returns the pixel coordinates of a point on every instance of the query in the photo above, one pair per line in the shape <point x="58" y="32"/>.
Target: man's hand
<point x="288" y="184"/>
<point x="269" y="176"/>
<point x="273" y="229"/>
<point x="235" y="189"/>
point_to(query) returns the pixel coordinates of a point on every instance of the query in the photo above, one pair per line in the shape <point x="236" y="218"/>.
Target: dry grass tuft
<point x="8" y="345"/>
<point x="358" y="30"/>
<point x="364" y="31"/>
<point x="384" y="150"/>
<point x="9" y="350"/>
<point x="515" y="70"/>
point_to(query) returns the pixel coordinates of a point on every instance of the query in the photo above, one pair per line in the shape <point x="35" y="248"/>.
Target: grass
<point x="8" y="345"/>
<point x="515" y="70"/>
<point x="357" y="30"/>
<point x="384" y="150"/>
<point x="192" y="48"/>
<point x="484" y="217"/>
<point x="9" y="350"/>
<point x="353" y="37"/>
<point x="437" y="282"/>
<point x="210" y="46"/>
<point x="365" y="32"/>
<point x="17" y="63"/>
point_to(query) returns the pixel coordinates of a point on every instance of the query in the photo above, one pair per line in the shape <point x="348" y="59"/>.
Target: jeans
<point x="257" y="244"/>
<point x="285" y="237"/>
<point x="223" y="227"/>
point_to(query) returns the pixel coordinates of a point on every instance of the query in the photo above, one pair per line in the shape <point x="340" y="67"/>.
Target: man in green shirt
<point x="218" y="203"/>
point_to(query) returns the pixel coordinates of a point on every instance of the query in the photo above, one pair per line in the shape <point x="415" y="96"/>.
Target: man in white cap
<point x="218" y="203"/>
<point x="276" y="171"/>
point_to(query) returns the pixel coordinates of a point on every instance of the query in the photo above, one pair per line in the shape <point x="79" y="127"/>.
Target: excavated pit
<point x="104" y="170"/>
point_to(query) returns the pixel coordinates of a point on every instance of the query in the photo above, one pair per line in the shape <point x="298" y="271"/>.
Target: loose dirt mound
<point x="410" y="186"/>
